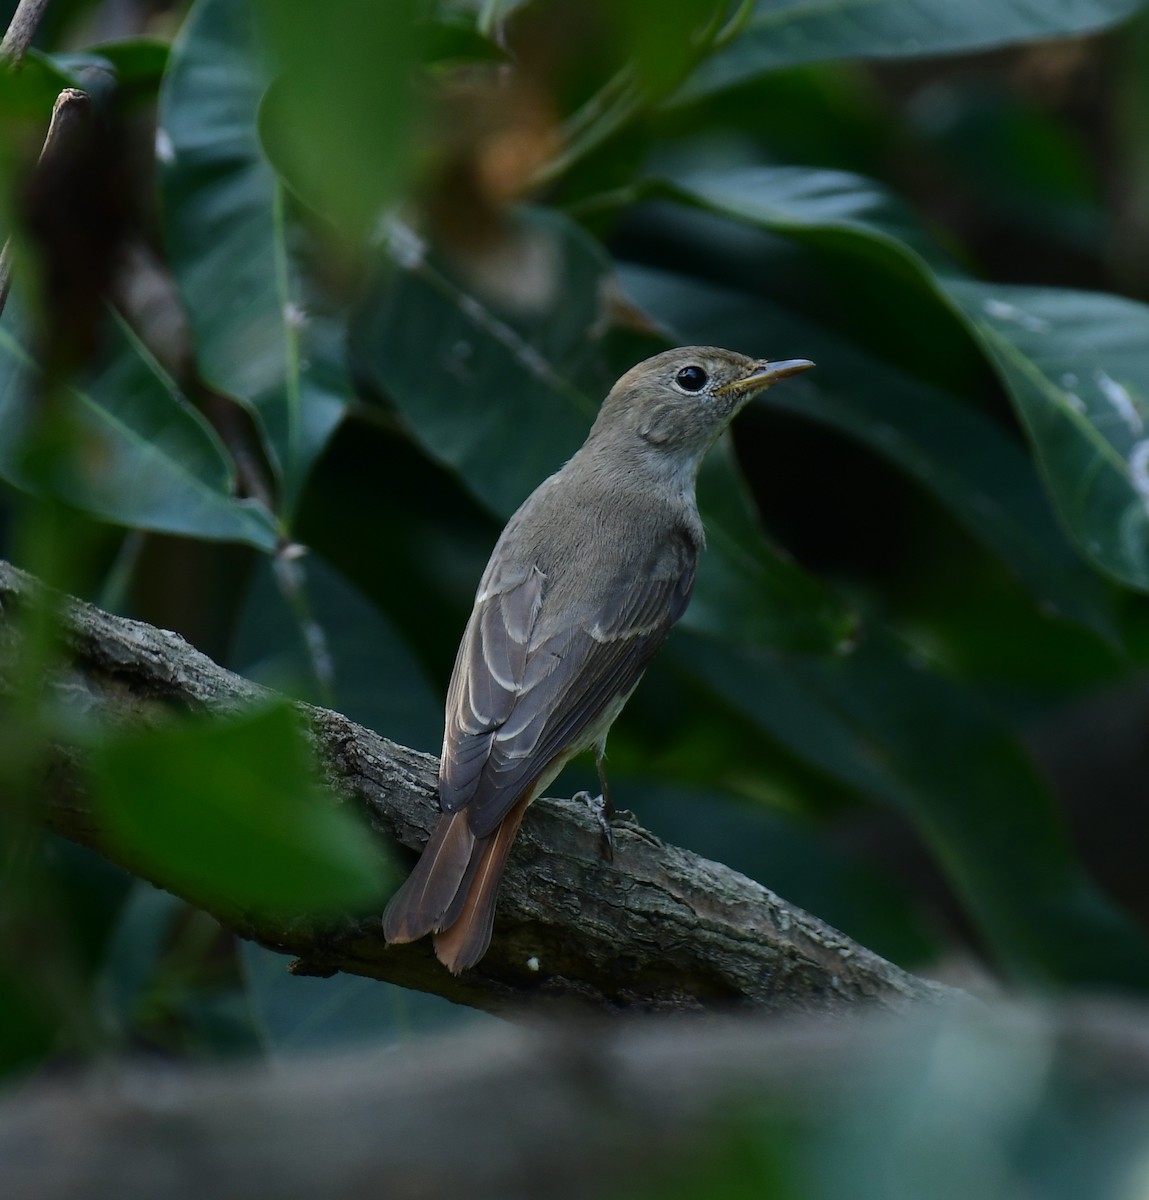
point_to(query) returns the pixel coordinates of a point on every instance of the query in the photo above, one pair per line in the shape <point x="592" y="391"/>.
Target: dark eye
<point x="692" y="379"/>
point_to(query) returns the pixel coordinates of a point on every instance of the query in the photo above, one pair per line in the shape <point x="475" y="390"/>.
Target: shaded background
<point x="323" y="292"/>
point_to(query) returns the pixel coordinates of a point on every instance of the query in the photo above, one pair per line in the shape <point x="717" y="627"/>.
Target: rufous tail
<point x="464" y="941"/>
<point x="437" y="888"/>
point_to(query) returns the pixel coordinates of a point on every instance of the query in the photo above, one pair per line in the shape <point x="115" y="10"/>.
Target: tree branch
<point x="71" y="109"/>
<point x="657" y="929"/>
<point x="21" y="31"/>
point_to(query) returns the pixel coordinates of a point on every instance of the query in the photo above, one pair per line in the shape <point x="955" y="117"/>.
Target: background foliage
<point x="353" y="279"/>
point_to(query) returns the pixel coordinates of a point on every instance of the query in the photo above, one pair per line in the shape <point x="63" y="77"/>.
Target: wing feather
<point x="529" y="689"/>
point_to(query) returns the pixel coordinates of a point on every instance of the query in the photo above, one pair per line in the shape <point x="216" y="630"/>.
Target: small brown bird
<point x="581" y="590"/>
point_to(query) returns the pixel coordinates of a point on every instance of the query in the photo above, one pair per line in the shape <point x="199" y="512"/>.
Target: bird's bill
<point x="763" y="374"/>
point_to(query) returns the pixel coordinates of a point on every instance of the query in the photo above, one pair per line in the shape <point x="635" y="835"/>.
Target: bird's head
<point x="678" y="402"/>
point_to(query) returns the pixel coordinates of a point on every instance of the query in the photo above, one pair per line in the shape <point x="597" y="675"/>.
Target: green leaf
<point x="472" y="377"/>
<point x="782" y="33"/>
<point x="964" y="459"/>
<point x="505" y="396"/>
<point x="258" y="335"/>
<point x="227" y="814"/>
<point x="1089" y="441"/>
<point x="28" y="1027"/>
<point x="911" y="740"/>
<point x="137" y="63"/>
<point x="821" y="205"/>
<point x="134" y="452"/>
<point x="1077" y="367"/>
<point x="339" y="121"/>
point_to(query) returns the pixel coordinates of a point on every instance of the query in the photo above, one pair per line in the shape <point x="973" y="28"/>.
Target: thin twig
<point x="72" y="107"/>
<point x="21" y="30"/>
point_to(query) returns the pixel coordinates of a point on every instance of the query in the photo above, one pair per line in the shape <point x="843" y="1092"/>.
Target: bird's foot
<point x="602" y="812"/>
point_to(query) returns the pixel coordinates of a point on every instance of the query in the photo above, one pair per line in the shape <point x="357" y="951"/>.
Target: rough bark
<point x="659" y="929"/>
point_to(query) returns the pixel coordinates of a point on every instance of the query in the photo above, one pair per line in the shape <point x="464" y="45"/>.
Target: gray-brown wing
<point x="515" y="706"/>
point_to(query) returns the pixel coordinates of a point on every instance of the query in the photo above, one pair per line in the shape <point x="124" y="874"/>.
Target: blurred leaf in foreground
<point x="229" y="813"/>
<point x="339" y="117"/>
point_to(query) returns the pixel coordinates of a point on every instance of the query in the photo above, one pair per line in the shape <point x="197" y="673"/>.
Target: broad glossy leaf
<point x="781" y="33"/>
<point x="257" y="336"/>
<point x="227" y="811"/>
<point x="1088" y="441"/>
<point x="1077" y="367"/>
<point x="983" y="476"/>
<point x="139" y="454"/>
<point x="907" y="738"/>
<point x="814" y="202"/>
<point x="505" y="397"/>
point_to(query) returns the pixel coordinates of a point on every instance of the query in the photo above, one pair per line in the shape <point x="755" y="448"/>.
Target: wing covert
<point x="516" y="705"/>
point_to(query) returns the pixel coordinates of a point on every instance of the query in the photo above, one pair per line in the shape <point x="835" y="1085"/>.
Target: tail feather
<point x="464" y="940"/>
<point x="433" y="888"/>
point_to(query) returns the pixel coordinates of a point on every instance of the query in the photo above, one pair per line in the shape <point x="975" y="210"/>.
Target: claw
<point x="601" y="811"/>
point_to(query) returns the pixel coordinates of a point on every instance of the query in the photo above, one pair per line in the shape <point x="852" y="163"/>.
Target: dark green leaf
<point x="1090" y="441"/>
<point x="28" y="1027"/>
<point x="133" y="452"/>
<point x="1077" y="367"/>
<point x="783" y="33"/>
<point x="258" y="337"/>
<point x="137" y="63"/>
<point x="229" y="814"/>
<point x="904" y="737"/>
<point x="505" y="397"/>
<point x="139" y="939"/>
<point x="815" y="203"/>
<point x="974" y="468"/>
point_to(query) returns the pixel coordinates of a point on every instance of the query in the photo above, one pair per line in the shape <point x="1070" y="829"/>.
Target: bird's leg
<point x="601" y="806"/>
<point x="604" y="795"/>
